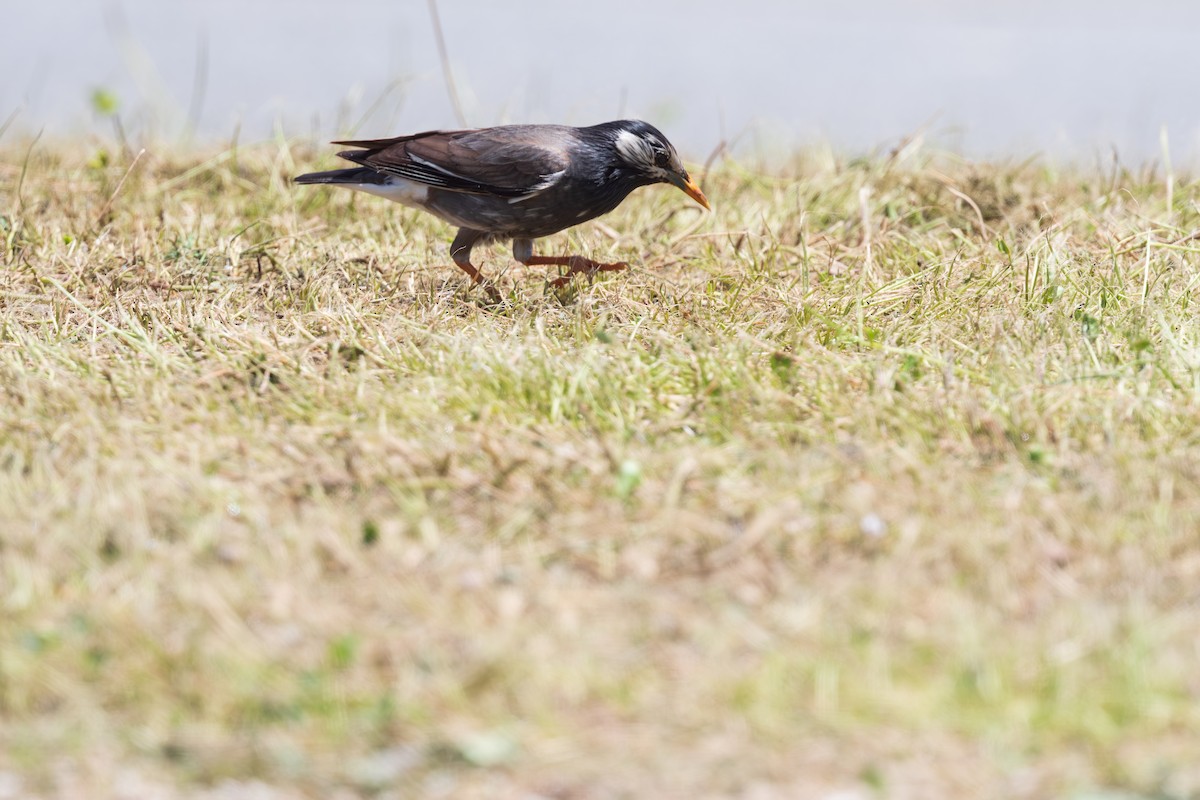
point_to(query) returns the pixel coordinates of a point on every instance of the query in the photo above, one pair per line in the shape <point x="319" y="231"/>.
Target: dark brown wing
<point x="512" y="161"/>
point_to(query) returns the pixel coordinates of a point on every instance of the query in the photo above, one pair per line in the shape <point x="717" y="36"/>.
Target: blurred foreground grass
<point x="880" y="480"/>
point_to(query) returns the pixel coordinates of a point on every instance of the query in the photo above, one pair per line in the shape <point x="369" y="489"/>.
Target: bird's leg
<point x="523" y="252"/>
<point x="465" y="265"/>
<point x="460" y="251"/>
<point x="576" y="265"/>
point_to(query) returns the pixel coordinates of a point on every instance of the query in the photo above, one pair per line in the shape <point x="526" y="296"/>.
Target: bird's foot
<point x="490" y="291"/>
<point x="578" y="265"/>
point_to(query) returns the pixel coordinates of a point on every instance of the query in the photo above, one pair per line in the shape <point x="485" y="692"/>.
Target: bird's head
<point x="645" y="151"/>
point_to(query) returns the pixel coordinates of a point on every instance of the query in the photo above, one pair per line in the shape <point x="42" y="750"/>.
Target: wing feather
<point x="513" y="161"/>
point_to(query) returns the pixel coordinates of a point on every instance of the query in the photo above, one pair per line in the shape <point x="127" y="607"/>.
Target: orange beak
<point x="689" y="187"/>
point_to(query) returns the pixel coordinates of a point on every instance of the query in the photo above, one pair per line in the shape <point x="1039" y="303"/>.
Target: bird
<point x="515" y="182"/>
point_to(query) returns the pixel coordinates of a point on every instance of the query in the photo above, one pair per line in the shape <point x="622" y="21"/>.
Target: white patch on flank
<point x="398" y="190"/>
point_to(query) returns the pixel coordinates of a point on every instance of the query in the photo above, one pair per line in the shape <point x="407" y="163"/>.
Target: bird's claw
<point x="490" y="290"/>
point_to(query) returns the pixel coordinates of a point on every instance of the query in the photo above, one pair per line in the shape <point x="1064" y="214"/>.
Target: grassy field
<point x="879" y="481"/>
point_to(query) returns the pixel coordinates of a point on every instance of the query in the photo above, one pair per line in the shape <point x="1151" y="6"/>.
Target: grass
<point x="879" y="480"/>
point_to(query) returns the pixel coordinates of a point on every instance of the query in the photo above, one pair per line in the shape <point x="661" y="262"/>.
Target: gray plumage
<point x="519" y="182"/>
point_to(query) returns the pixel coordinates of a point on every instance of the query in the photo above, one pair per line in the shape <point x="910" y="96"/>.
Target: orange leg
<point x="577" y="265"/>
<point x="468" y="268"/>
<point x="477" y="276"/>
<point x="460" y="251"/>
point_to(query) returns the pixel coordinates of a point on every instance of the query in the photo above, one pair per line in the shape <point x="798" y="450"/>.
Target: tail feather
<point x="355" y="175"/>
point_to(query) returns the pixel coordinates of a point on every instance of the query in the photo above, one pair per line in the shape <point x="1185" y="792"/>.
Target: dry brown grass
<point x="288" y="511"/>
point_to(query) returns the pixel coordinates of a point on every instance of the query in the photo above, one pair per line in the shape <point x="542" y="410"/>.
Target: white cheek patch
<point x="635" y="150"/>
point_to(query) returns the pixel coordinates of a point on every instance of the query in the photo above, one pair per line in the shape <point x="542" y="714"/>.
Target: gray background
<point x="1070" y="80"/>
